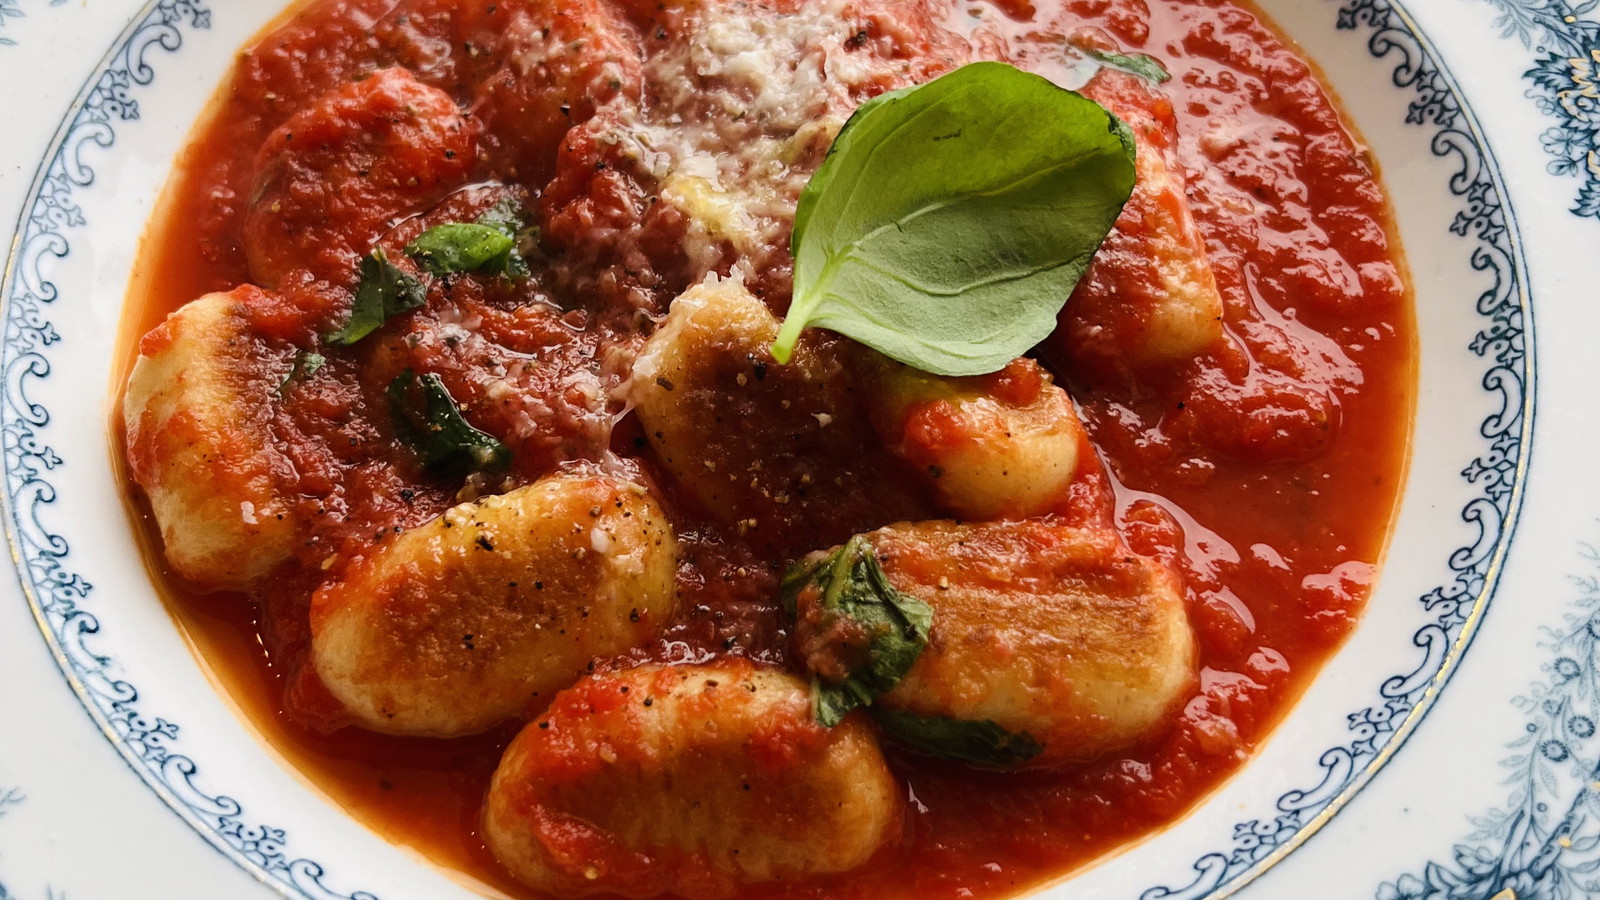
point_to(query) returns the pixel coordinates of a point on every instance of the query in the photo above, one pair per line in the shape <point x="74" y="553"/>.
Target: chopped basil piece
<point x="876" y="632"/>
<point x="487" y="245"/>
<point x="428" y="417"/>
<point x="1147" y="67"/>
<point x="950" y="221"/>
<point x="459" y="247"/>
<point x="505" y="216"/>
<point x="305" y="365"/>
<point x="981" y="743"/>
<point x="385" y="291"/>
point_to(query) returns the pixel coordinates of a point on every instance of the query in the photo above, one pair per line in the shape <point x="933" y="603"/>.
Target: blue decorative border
<point x="1545" y="841"/>
<point x="56" y="593"/>
<point x="12" y="9"/>
<point x="1485" y="220"/>
<point x="1565" y="85"/>
<point x="9" y="797"/>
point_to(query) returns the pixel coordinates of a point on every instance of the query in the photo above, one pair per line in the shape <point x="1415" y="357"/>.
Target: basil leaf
<point x="384" y="291"/>
<point x="305" y="365"/>
<point x="981" y="743"/>
<point x="1147" y="67"/>
<point x="428" y="417"/>
<point x="877" y="631"/>
<point x="951" y="221"/>
<point x="505" y="216"/>
<point x="487" y="245"/>
<point x="460" y="247"/>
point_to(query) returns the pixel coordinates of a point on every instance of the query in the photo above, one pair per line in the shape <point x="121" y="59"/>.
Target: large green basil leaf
<point x="951" y="221"/>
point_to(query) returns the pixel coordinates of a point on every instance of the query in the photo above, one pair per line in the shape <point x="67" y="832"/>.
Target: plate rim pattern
<point x="1544" y="841"/>
<point x="55" y="593"/>
<point x="1378" y="732"/>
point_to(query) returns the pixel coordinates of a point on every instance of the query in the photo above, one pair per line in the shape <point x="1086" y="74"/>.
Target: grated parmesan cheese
<point x="743" y="104"/>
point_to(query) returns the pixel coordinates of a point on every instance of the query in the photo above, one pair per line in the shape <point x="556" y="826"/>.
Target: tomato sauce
<point x="1266" y="471"/>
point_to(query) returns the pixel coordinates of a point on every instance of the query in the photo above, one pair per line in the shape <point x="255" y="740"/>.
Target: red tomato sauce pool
<point x="1267" y="471"/>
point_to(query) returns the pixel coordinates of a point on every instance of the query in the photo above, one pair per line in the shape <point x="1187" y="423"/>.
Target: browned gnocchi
<point x="198" y="414"/>
<point x="692" y="780"/>
<point x="773" y="450"/>
<point x="488" y="610"/>
<point x="1057" y="637"/>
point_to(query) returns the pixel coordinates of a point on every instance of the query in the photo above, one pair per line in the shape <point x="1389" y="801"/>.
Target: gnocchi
<point x="200" y="442"/>
<point x="992" y="447"/>
<point x="488" y="610"/>
<point x="1150" y="299"/>
<point x="783" y="453"/>
<point x="692" y="780"/>
<point x="1059" y="634"/>
<point x="405" y="141"/>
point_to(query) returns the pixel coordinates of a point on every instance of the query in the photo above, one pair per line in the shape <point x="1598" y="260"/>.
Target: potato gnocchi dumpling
<point x="692" y="780"/>
<point x="1060" y="634"/>
<point x="1150" y="298"/>
<point x="714" y="325"/>
<point x="199" y="437"/>
<point x="562" y="60"/>
<point x="488" y="610"/>
<point x="786" y="453"/>
<point x="995" y="446"/>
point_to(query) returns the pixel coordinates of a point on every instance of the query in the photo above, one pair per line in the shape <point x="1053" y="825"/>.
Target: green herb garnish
<point x="306" y="364"/>
<point x="1147" y="67"/>
<point x="981" y="743"/>
<point x="384" y="291"/>
<point x="951" y="221"/>
<point x="487" y="245"/>
<point x="855" y="602"/>
<point x="459" y="247"/>
<point x="505" y="216"/>
<point x="428" y="417"/>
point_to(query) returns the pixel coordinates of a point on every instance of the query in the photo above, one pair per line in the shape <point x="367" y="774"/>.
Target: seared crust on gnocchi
<point x="491" y="608"/>
<point x="1059" y="633"/>
<point x="199" y="442"/>
<point x="692" y="780"/>
<point x="712" y="400"/>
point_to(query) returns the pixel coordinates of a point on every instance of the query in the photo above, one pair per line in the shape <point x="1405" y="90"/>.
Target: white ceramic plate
<point x="1448" y="751"/>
